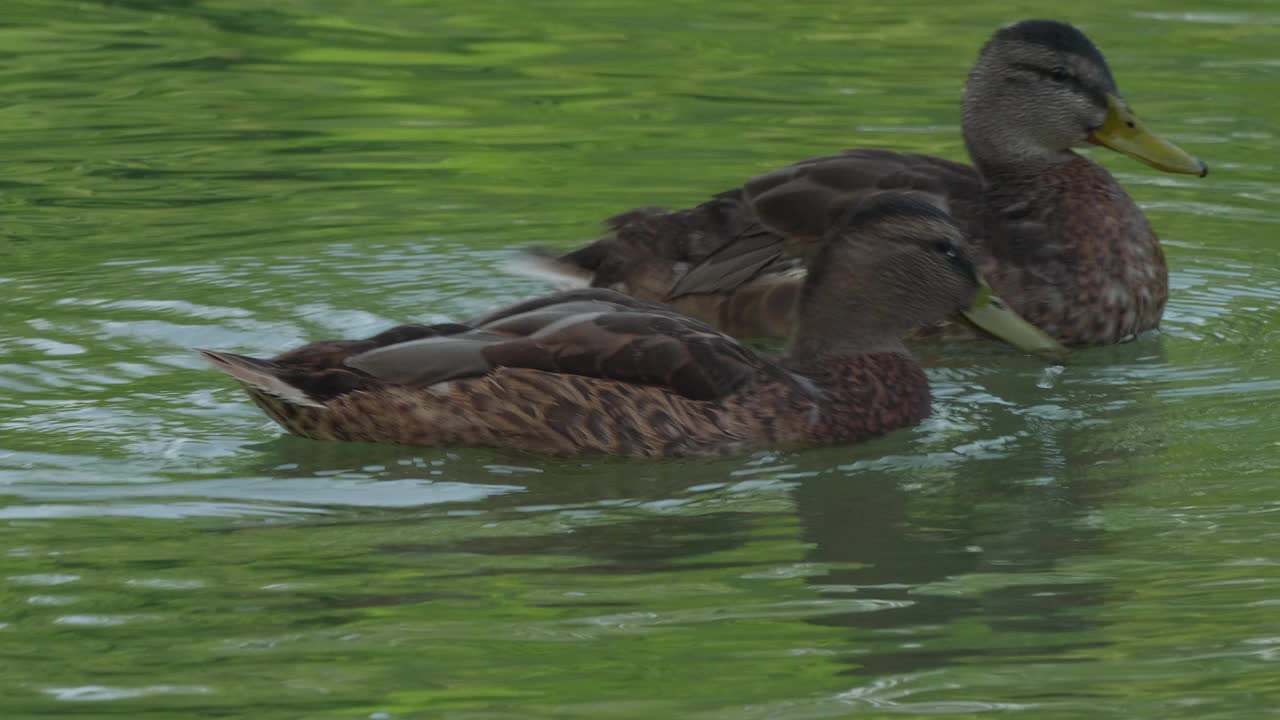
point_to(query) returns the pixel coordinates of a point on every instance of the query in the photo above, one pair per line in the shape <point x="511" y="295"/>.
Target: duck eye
<point x="1059" y="74"/>
<point x="945" y="248"/>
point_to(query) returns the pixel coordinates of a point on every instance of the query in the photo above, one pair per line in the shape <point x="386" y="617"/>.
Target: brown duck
<point x="1053" y="232"/>
<point x="594" y="371"/>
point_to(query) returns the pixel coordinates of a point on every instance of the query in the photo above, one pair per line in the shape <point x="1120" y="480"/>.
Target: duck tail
<point x="260" y="375"/>
<point x="563" y="272"/>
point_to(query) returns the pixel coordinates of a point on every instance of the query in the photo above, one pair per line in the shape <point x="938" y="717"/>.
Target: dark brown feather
<point x="854" y="399"/>
<point x="769" y="225"/>
<point x="590" y="332"/>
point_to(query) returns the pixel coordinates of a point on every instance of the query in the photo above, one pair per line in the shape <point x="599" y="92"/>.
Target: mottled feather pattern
<point x="1075" y="255"/>
<point x="551" y="413"/>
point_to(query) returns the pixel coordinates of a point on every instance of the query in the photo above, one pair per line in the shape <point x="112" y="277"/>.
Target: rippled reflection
<point x="1093" y="539"/>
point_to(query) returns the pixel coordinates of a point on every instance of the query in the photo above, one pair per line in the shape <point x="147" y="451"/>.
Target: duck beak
<point x="991" y="314"/>
<point x="1123" y="132"/>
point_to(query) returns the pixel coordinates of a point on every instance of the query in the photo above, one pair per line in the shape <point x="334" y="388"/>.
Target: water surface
<point x="1098" y="541"/>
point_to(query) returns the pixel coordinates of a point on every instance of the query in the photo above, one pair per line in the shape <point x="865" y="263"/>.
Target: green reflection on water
<point x="250" y="176"/>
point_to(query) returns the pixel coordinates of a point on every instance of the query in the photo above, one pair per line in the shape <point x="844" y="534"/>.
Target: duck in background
<point x="1054" y="233"/>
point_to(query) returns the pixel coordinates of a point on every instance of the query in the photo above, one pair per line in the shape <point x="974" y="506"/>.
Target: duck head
<point x="1040" y="88"/>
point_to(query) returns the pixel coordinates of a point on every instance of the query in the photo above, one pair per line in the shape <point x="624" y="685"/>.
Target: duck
<point x="594" y="371"/>
<point x="1054" y="233"/>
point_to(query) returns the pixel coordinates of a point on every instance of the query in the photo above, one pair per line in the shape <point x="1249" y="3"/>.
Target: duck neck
<point x="838" y="322"/>
<point x="1010" y="160"/>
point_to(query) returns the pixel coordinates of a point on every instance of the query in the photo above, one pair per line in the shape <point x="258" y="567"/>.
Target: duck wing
<point x="793" y="207"/>
<point x="592" y="332"/>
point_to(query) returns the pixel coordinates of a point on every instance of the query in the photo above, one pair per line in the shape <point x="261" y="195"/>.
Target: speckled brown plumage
<point x="1083" y="275"/>
<point x="593" y="371"/>
<point x="1054" y="233"/>
<point x="557" y="414"/>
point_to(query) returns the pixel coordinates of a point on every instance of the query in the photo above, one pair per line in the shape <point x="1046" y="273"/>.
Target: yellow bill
<point x="1124" y="133"/>
<point x="991" y="314"/>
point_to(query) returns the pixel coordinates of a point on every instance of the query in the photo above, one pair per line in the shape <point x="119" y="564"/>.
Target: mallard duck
<point x="595" y="371"/>
<point x="1054" y="233"/>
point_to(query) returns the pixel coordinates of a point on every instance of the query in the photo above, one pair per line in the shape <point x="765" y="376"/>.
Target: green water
<point x="1103" y="542"/>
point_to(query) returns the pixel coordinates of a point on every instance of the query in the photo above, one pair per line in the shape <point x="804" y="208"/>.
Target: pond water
<point x="1101" y="541"/>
